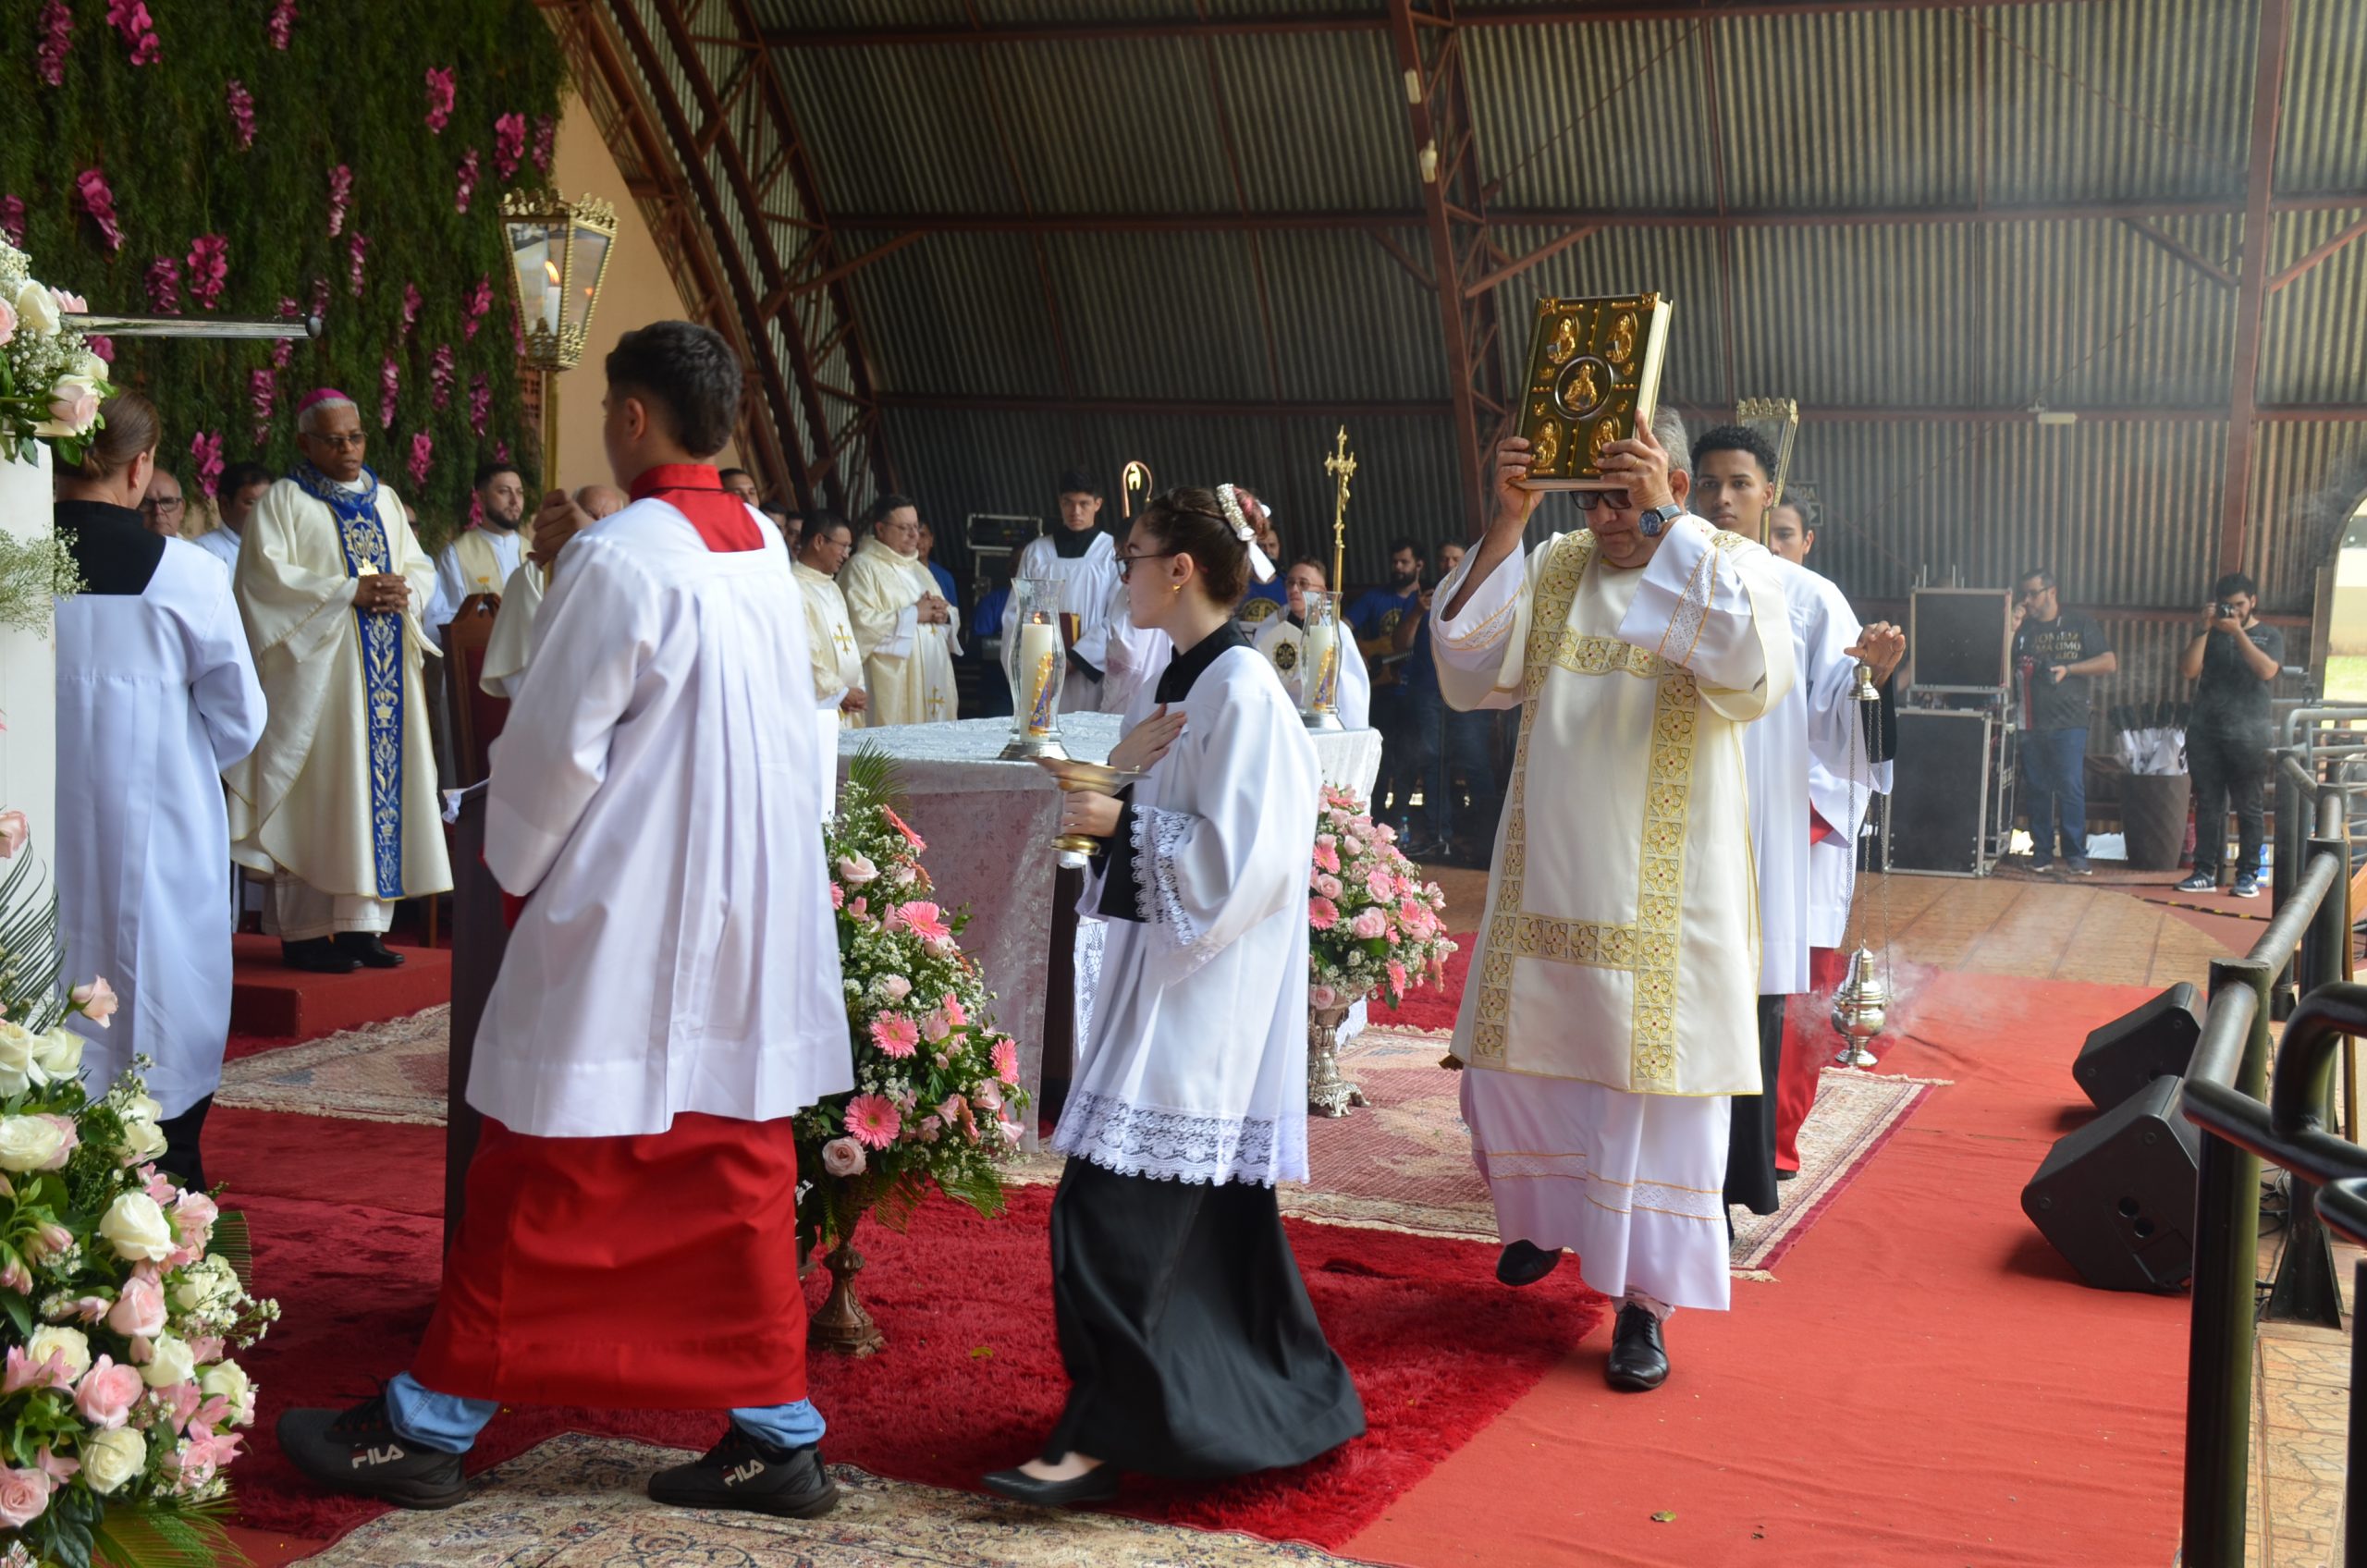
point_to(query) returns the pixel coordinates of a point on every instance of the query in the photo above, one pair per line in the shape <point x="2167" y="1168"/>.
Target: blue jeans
<point x="449" y="1424"/>
<point x="2053" y="774"/>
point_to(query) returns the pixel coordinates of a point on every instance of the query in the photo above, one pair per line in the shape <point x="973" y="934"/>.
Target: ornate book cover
<point x="1594" y="372"/>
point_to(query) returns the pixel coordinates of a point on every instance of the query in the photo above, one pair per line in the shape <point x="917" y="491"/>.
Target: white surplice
<point x="1195" y="1068"/>
<point x="340" y="792"/>
<point x="1085" y="582"/>
<point x="1842" y="790"/>
<point x="156" y="695"/>
<point x="510" y="647"/>
<point x="908" y="668"/>
<point x="655" y="792"/>
<point x="478" y="560"/>
<point x="1354" y="698"/>
<point x="1131" y="655"/>
<point x="1816" y="724"/>
<point x="221" y="545"/>
<point x="1613" y="1002"/>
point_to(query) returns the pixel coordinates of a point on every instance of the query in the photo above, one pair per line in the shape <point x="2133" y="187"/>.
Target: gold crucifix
<point x="1343" y="467"/>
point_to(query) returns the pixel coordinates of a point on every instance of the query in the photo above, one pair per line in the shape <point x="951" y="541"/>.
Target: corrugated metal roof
<point x="2116" y="101"/>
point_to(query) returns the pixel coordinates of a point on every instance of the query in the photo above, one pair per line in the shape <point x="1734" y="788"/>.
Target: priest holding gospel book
<point x="669" y="999"/>
<point x="1611" y="1005"/>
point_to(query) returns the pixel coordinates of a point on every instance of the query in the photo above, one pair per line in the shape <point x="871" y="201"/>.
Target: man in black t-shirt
<point x="2056" y="659"/>
<point x="2233" y="662"/>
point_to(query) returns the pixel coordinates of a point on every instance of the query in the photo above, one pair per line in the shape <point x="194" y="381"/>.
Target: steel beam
<point x="1575" y="218"/>
<point x="1446" y="150"/>
<point x="2294" y="273"/>
<point x="1319" y="409"/>
<point x="2184" y="252"/>
<point x="2251" y="300"/>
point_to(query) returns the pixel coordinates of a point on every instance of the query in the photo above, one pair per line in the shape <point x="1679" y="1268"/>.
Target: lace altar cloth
<point x="989" y="825"/>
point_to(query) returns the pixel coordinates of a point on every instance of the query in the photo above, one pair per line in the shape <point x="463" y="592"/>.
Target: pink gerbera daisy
<point x="873" y="1121"/>
<point x="898" y="824"/>
<point x="895" y="1035"/>
<point x="1322" y="913"/>
<point x="953" y="1013"/>
<point x="1327" y="857"/>
<point x="1006" y="1057"/>
<point x="923" y="920"/>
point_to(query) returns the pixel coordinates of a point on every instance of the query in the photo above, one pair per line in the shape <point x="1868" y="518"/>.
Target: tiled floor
<point x="2301" y="1425"/>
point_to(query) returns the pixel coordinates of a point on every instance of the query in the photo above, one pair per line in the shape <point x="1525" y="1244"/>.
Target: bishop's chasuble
<point x="908" y="668"/>
<point x="341" y="791"/>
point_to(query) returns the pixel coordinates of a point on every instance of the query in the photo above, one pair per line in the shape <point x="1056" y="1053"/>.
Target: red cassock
<point x="655" y="1272"/>
<point x="1809" y="1041"/>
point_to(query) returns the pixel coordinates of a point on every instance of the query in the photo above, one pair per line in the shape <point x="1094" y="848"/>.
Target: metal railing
<point x="2229" y="1095"/>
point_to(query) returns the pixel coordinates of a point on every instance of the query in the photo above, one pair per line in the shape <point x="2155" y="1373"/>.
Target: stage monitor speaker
<point x="1940" y="792"/>
<point x="1961" y="638"/>
<point x="2156" y="1040"/>
<point x="2117" y="1197"/>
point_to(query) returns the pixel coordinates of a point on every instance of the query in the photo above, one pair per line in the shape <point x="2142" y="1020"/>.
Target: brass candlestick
<point x="1083" y="777"/>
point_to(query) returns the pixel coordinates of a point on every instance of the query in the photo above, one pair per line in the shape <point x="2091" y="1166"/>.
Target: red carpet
<point x="272" y="1005"/>
<point x="1927" y="1383"/>
<point x="1432" y="1006"/>
<point x="969" y="1381"/>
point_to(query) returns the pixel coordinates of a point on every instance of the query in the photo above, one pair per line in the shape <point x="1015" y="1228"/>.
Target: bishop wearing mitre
<point x="336" y="805"/>
<point x="902" y="626"/>
<point x="1083" y="560"/>
<point x="1612" y="1009"/>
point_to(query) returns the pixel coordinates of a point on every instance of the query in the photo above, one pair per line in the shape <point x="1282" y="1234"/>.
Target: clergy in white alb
<point x="236" y="495"/>
<point x="668" y="999"/>
<point x="337" y="803"/>
<point x="510" y="646"/>
<point x="481" y="557"/>
<point x="1609" y="1009"/>
<point x="1083" y="560"/>
<point x="902" y="626"/>
<point x="1135" y="655"/>
<point x="156" y="694"/>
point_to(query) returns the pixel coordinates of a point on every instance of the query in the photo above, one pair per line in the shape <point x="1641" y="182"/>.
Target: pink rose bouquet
<point x="937" y="1102"/>
<point x="121" y="1406"/>
<point x="1374" y="927"/>
<point x="51" y="380"/>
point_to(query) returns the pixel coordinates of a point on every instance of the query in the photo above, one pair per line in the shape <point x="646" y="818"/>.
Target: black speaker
<point x="2117" y="1197"/>
<point x="1939" y="800"/>
<point x="2137" y="1048"/>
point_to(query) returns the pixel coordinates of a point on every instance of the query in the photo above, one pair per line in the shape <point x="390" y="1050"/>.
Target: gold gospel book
<point x="1594" y="374"/>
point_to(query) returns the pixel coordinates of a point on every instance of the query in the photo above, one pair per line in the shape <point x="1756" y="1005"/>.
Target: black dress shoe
<point x="1639" y="1359"/>
<point x="1524" y="1263"/>
<point x="369" y="950"/>
<point x="359" y="1450"/>
<point x="317" y="955"/>
<point x="1097" y="1485"/>
<point x="748" y="1473"/>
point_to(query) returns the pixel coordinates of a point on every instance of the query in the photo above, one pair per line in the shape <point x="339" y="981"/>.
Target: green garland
<point x="351" y="89"/>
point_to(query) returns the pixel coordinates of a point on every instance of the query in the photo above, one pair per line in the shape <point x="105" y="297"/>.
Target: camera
<point x="2226" y="612"/>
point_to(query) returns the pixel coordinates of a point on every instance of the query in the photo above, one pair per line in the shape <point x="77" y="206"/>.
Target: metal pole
<point x="2219" y="1337"/>
<point x="2306" y="1290"/>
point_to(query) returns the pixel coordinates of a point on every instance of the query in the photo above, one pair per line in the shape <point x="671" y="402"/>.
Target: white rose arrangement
<point x="51" y="383"/>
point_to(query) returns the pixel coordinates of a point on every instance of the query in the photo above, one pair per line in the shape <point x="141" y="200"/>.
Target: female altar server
<point x="156" y="695"/>
<point x="1190" y="1344"/>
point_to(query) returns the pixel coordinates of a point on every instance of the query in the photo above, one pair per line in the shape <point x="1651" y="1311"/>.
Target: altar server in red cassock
<point x="669" y="1000"/>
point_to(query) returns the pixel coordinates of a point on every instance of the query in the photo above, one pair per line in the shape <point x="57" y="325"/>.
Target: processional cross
<point x="1341" y="467"/>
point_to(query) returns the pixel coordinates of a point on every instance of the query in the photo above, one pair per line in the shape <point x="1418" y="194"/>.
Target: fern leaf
<point x="164" y="1539"/>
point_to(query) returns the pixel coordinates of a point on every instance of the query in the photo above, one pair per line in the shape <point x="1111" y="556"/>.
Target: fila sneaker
<point x="747" y="1473"/>
<point x="359" y="1450"/>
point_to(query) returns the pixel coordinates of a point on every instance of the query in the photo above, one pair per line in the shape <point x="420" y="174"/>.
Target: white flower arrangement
<point x="51" y="383"/>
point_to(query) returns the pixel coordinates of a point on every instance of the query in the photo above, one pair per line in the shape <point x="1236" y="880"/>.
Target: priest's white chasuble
<point x="1621" y="945"/>
<point x="838" y="668"/>
<point x="479" y="561"/>
<point x="511" y="643"/>
<point x="342" y="790"/>
<point x="1086" y="579"/>
<point x="908" y="668"/>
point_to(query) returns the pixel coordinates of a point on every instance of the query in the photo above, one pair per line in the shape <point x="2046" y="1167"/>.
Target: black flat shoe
<point x="368" y="950"/>
<point x="1638" y="1361"/>
<point x="1524" y="1263"/>
<point x="317" y="955"/>
<point x="1097" y="1485"/>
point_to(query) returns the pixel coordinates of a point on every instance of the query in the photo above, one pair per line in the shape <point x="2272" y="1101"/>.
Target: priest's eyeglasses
<point x="341" y="442"/>
<point x="1126" y="563"/>
<point x="1617" y="500"/>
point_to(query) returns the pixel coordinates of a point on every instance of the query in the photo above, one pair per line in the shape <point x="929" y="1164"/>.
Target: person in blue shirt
<point x="1374" y="618"/>
<point x="945" y="588"/>
<point x="1450" y="744"/>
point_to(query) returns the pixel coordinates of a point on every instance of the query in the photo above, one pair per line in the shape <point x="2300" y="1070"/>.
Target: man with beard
<point x="1374" y="618"/>
<point x="1819" y="718"/>
<point x="481" y="559"/>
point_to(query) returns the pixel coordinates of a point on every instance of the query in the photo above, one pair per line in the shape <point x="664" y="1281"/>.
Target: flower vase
<point x="1328" y="1094"/>
<point x="842" y="1325"/>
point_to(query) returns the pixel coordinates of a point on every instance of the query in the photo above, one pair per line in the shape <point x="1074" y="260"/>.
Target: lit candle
<point x="1318" y="665"/>
<point x="1039" y="671"/>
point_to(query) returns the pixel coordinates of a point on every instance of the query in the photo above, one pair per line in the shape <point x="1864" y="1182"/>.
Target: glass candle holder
<point x="1035" y="657"/>
<point x="1318" y="662"/>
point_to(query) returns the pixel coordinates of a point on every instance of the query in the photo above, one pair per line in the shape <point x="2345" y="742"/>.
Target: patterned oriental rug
<point x="576" y="1500"/>
<point x="1402" y="1163"/>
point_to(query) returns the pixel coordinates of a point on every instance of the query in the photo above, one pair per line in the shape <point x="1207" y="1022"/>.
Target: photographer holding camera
<point x="2233" y="661"/>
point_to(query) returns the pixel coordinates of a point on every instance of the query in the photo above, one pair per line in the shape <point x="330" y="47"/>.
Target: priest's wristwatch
<point x="1655" y="519"/>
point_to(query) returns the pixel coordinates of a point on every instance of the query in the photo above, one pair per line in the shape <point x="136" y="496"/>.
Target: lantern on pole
<point x="559" y="257"/>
